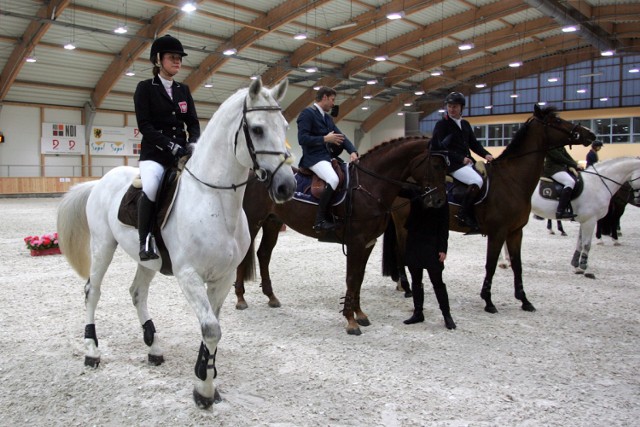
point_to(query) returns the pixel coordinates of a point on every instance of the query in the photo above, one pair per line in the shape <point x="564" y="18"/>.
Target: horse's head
<point x="560" y="132"/>
<point x="634" y="183"/>
<point x="429" y="170"/>
<point x="263" y="128"/>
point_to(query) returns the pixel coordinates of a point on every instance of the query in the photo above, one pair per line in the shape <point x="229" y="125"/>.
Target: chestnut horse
<point x="504" y="209"/>
<point x="374" y="183"/>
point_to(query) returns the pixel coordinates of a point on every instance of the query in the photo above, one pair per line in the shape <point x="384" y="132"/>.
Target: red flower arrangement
<point x="47" y="244"/>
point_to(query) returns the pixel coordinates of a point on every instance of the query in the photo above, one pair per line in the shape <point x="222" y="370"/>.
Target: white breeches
<point x="150" y="174"/>
<point x="468" y="175"/>
<point x="564" y="178"/>
<point x="324" y="170"/>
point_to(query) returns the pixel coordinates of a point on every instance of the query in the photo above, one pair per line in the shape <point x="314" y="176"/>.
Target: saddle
<point x="128" y="210"/>
<point x="310" y="187"/>
<point x="456" y="190"/>
<point x="550" y="189"/>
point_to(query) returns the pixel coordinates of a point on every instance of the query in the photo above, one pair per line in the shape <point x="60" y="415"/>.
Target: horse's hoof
<point x="156" y="360"/>
<point x="92" y="362"/>
<point x="363" y="321"/>
<point x="449" y="323"/>
<point x="408" y="294"/>
<point x="503" y="265"/>
<point x="354" y="331"/>
<point x="590" y="275"/>
<point x="274" y="302"/>
<point x="528" y="307"/>
<point x="491" y="309"/>
<point x="579" y="271"/>
<point x="205" y="402"/>
<point x="241" y="305"/>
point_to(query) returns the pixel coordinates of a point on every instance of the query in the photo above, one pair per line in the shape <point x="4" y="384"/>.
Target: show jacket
<point x="162" y="120"/>
<point x="459" y="142"/>
<point x="312" y="128"/>
<point x="558" y="160"/>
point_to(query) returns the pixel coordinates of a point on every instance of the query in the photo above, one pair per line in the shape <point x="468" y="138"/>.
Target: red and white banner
<point x="62" y="138"/>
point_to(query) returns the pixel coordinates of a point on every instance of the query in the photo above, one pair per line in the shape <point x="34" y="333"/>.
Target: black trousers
<point x="434" y="269"/>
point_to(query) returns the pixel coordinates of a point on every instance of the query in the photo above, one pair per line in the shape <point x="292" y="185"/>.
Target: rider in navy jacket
<point x="321" y="140"/>
<point x="167" y="119"/>
<point x="455" y="135"/>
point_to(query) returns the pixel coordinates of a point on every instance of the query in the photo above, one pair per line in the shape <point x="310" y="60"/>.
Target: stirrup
<point x="565" y="215"/>
<point x="324" y="225"/>
<point x="148" y="249"/>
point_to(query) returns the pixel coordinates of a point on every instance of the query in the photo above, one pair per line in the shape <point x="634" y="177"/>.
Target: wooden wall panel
<point x="37" y="185"/>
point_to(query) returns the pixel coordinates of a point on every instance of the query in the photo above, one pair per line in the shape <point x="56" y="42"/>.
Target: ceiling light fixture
<point x="381" y="58"/>
<point x="608" y="52"/>
<point x="604" y="99"/>
<point x="514" y="95"/>
<point x="400" y="113"/>
<point x="311" y="70"/>
<point x="69" y="46"/>
<point x="515" y="64"/>
<point x="365" y="108"/>
<point x="441" y="111"/>
<point x="395" y="15"/>
<point x="254" y="77"/>
<point x="542" y="103"/>
<point x="552" y="79"/>
<point x="300" y="36"/>
<point x="581" y="91"/>
<point x="343" y="26"/>
<point x="570" y="28"/>
<point x="208" y="84"/>
<point x="634" y="70"/>
<point x="367" y="96"/>
<point x="317" y="87"/>
<point x="466" y="46"/>
<point x="231" y="51"/>
<point x="436" y="73"/>
<point x="31" y="59"/>
<point x="481" y="85"/>
<point x="418" y="93"/>
<point x="188" y="7"/>
<point x="122" y="29"/>
<point x="408" y="104"/>
<point x="130" y="72"/>
<point x="372" y="81"/>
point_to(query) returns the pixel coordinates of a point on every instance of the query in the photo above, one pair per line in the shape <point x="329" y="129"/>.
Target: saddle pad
<point x="456" y="191"/>
<point x="303" y="189"/>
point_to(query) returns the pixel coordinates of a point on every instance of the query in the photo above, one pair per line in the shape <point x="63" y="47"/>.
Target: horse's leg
<point x="575" y="260"/>
<point x="401" y="244"/>
<point x="404" y="281"/>
<point x="356" y="263"/>
<point x="199" y="297"/>
<point x="586" y="231"/>
<point x="139" y="292"/>
<point x="514" y="244"/>
<point x="503" y="259"/>
<point x="494" y="246"/>
<point x="99" y="264"/>
<point x="270" y="232"/>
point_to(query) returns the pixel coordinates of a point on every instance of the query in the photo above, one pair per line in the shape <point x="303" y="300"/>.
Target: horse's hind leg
<point x="356" y="263"/>
<point x="514" y="244"/>
<point x="139" y="292"/>
<point x="270" y="232"/>
<point x="99" y="265"/>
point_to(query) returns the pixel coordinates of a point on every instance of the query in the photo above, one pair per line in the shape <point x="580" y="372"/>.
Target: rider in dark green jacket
<point x="556" y="166"/>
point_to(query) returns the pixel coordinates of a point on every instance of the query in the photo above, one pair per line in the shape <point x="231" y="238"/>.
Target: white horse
<point x="206" y="233"/>
<point x="601" y="181"/>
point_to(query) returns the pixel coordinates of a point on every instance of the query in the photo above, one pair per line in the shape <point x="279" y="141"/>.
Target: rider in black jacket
<point x="167" y="119"/>
<point x="455" y="134"/>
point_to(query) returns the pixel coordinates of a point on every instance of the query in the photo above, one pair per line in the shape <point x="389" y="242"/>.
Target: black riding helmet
<point x="596" y="144"/>
<point x="455" y="98"/>
<point x="165" y="44"/>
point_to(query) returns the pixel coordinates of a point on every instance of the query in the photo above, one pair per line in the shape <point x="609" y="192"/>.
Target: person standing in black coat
<point x="455" y="135"/>
<point x="427" y="244"/>
<point x="169" y="125"/>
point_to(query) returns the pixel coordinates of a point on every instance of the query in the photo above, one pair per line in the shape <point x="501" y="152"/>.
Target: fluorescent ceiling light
<point x="441" y="110"/>
<point x="408" y="104"/>
<point x="367" y="97"/>
<point x="542" y="103"/>
<point x="400" y="113"/>
<point x="488" y="107"/>
<point x="515" y="64"/>
<point x="311" y="70"/>
<point x="31" y="59"/>
<point x="418" y="93"/>
<point x="208" y="84"/>
<point x="436" y="73"/>
<point x="343" y="26"/>
<point x="300" y="36"/>
<point x="229" y="52"/>
<point x="395" y="15"/>
<point x="604" y="99"/>
<point x="254" y="77"/>
<point x="514" y="95"/>
<point x="130" y="73"/>
<point x="552" y="79"/>
<point x="365" y="108"/>
<point x="69" y="46"/>
<point x="121" y="29"/>
<point x="316" y="87"/>
<point x="466" y="46"/>
<point x="581" y="91"/>
<point x="381" y="58"/>
<point x="481" y="85"/>
<point x="188" y="7"/>
<point x="608" y="52"/>
<point x="372" y="81"/>
<point x="570" y="28"/>
<point x="591" y="74"/>
<point x="634" y="70"/>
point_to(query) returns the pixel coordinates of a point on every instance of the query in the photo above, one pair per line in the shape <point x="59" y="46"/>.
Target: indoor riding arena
<point x="234" y="83"/>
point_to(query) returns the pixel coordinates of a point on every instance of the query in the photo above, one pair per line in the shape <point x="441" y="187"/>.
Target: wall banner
<point x="114" y="141"/>
<point x="62" y="138"/>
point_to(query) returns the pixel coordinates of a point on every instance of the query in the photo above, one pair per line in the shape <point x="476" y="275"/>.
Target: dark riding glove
<point x="178" y="151"/>
<point x="190" y="147"/>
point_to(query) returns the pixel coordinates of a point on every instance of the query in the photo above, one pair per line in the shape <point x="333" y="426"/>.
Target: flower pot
<point x="48" y="251"/>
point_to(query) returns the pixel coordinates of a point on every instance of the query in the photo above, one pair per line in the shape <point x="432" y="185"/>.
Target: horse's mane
<point x="225" y="110"/>
<point x="389" y="144"/>
<point x="517" y="139"/>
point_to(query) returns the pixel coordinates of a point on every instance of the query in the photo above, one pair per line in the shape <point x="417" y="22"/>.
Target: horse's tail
<point x="389" y="251"/>
<point x="249" y="263"/>
<point x="73" y="228"/>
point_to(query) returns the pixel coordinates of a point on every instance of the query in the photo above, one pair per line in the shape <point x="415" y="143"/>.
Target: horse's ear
<point x="536" y="110"/>
<point x="255" y="88"/>
<point x="280" y="90"/>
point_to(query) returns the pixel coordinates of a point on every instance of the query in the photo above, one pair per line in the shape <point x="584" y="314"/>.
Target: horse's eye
<point x="257" y="130"/>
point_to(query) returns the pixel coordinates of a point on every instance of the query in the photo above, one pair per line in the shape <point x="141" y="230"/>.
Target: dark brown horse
<point x="374" y="183"/>
<point x="505" y="209"/>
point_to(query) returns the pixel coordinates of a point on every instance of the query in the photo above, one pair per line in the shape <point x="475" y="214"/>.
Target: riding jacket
<point x="558" y="160"/>
<point x="312" y="127"/>
<point x="162" y="121"/>
<point x="457" y="140"/>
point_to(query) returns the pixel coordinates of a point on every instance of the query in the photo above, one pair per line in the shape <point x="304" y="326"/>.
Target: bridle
<point x="260" y="173"/>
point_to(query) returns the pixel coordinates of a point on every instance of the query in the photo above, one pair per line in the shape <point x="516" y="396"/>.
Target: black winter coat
<point x="459" y="143"/>
<point x="163" y="121"/>
<point x="427" y="231"/>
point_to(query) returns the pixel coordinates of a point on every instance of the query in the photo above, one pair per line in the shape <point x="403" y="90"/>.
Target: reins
<point x="603" y="177"/>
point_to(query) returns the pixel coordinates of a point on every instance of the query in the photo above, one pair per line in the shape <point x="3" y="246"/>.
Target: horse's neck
<point x="616" y="172"/>
<point x="521" y="169"/>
